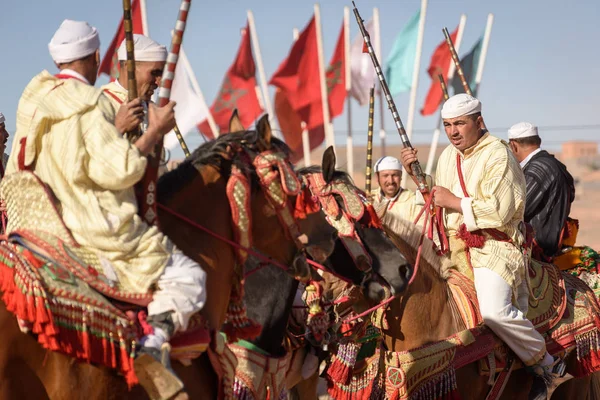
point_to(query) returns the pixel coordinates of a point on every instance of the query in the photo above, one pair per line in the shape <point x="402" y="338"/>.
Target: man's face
<point x="463" y="132"/>
<point x="3" y="138"/>
<point x="389" y="181"/>
<point x="148" y="75"/>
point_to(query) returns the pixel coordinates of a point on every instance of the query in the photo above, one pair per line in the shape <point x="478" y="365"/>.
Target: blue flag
<point x="400" y="63"/>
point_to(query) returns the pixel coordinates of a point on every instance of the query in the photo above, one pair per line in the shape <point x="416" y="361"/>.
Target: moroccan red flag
<point x="110" y="64"/>
<point x="298" y="75"/>
<point x="238" y="91"/>
<point x="440" y="63"/>
<point x="290" y="124"/>
<point x="336" y="78"/>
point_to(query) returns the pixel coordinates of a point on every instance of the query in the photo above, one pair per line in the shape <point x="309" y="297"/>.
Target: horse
<point x="270" y="292"/>
<point x="27" y="371"/>
<point x="425" y="314"/>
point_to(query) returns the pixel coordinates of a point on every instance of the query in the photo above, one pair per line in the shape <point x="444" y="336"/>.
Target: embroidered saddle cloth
<point x="60" y="290"/>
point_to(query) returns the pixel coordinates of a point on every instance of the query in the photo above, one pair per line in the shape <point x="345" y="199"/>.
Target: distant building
<point x="579" y="149"/>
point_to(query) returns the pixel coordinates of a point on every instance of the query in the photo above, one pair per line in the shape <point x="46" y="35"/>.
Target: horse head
<point x="273" y="206"/>
<point x="363" y="252"/>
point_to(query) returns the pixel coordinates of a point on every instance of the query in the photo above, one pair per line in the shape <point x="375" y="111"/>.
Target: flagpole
<point x="484" y="50"/>
<point x="377" y="48"/>
<point x="144" y="18"/>
<point x="451" y="70"/>
<point x="348" y="72"/>
<point x="188" y="67"/>
<point x="329" y="138"/>
<point x="415" y="82"/>
<point x="261" y="72"/>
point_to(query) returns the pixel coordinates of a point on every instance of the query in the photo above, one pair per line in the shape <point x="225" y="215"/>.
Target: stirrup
<point x="155" y="374"/>
<point x="547" y="379"/>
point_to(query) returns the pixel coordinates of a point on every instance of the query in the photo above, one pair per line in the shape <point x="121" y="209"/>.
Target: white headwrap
<point x="144" y="49"/>
<point x="388" y="163"/>
<point x="459" y="105"/>
<point x="2" y="118"/>
<point x="522" y="130"/>
<point x="72" y="41"/>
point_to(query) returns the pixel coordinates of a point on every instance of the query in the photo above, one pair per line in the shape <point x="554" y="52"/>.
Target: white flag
<point x="191" y="109"/>
<point x="361" y="67"/>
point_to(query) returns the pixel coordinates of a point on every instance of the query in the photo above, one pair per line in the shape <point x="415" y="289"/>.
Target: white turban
<point x="522" y="130"/>
<point x="72" y="41"/>
<point x="2" y="118"/>
<point x="459" y="105"/>
<point x="388" y="163"/>
<point x="144" y="49"/>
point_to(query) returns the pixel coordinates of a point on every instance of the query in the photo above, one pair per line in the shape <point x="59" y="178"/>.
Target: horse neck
<point x="423" y="314"/>
<point x="203" y="200"/>
<point x="269" y="295"/>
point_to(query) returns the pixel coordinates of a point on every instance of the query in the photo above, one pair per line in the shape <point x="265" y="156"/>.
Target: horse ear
<point x="235" y="124"/>
<point x="328" y="164"/>
<point x="263" y="128"/>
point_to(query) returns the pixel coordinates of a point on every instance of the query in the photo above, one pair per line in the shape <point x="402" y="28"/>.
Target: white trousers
<point x="507" y="321"/>
<point x="181" y="290"/>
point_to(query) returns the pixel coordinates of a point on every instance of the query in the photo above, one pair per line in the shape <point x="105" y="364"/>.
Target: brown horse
<point x="423" y="314"/>
<point x="196" y="189"/>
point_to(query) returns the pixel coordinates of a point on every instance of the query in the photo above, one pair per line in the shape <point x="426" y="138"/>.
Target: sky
<point x="542" y="63"/>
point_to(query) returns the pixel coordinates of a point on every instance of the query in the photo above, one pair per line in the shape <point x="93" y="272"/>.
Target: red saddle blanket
<point x="61" y="304"/>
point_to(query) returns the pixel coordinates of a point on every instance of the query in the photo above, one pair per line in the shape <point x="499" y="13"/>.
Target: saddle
<point x="62" y="292"/>
<point x="561" y="307"/>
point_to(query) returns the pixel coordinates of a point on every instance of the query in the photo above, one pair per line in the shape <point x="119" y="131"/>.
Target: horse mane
<point x="406" y="235"/>
<point x="214" y="153"/>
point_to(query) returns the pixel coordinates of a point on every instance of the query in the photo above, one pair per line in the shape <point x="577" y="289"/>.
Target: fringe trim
<point x="588" y="353"/>
<point x="62" y="331"/>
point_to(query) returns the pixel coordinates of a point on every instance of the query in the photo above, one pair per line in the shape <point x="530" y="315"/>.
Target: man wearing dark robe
<point x="550" y="187"/>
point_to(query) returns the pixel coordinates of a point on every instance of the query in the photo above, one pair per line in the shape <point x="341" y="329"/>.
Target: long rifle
<point x="456" y="60"/>
<point x="369" y="172"/>
<point x="416" y="167"/>
<point x="132" y="92"/>
<point x="148" y="199"/>
<point x="444" y="87"/>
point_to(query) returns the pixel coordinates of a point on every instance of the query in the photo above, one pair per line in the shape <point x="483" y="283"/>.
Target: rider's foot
<point x="546" y="378"/>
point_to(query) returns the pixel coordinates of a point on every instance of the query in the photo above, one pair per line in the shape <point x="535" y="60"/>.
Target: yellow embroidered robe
<point x="496" y="188"/>
<point x="74" y="147"/>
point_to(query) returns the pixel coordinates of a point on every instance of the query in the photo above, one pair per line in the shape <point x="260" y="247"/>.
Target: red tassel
<point x="373" y="220"/>
<point x="31" y="308"/>
<point x="471" y="239"/>
<point x="305" y="204"/>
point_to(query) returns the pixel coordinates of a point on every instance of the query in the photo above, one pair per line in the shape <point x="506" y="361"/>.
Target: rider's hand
<point x="161" y="120"/>
<point x="129" y="116"/>
<point x="407" y="157"/>
<point x="446" y="199"/>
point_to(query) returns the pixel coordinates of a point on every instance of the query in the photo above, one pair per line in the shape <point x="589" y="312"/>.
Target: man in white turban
<point x="150" y="58"/>
<point x="399" y="201"/>
<point x="550" y="188"/>
<point x="482" y="190"/>
<point x="92" y="171"/>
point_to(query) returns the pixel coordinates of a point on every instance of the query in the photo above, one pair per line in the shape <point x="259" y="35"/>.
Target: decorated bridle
<point x="279" y="182"/>
<point x="356" y="209"/>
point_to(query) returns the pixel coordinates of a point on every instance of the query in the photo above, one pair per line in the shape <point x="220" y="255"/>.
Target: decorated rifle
<point x="148" y="199"/>
<point x="132" y="92"/>
<point x="179" y="137"/>
<point x="456" y="60"/>
<point x="444" y="87"/>
<point x="416" y="167"/>
<point x="369" y="172"/>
